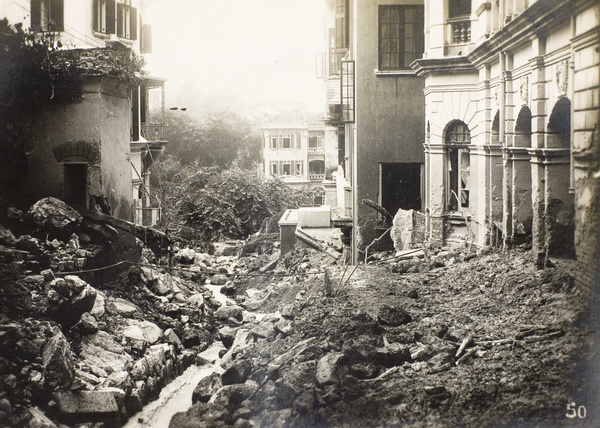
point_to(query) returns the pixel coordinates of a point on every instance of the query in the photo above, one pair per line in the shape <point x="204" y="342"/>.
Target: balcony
<point x="461" y="31"/>
<point x="153" y="131"/>
<point x="316" y="176"/>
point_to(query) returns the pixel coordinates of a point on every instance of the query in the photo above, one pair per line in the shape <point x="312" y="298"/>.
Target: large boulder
<point x="408" y="229"/>
<point x="57" y="361"/>
<point x="237" y="372"/>
<point x="54" y="214"/>
<point x="206" y="388"/>
<point x="331" y="368"/>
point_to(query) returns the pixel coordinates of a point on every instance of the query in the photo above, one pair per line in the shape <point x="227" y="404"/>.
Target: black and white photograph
<point x="299" y="213"/>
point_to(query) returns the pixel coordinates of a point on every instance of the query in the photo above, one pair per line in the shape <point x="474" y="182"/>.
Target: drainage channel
<point x="177" y="395"/>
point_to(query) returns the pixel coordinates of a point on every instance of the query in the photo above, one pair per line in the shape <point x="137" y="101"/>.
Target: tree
<point x="206" y="204"/>
<point x="219" y="138"/>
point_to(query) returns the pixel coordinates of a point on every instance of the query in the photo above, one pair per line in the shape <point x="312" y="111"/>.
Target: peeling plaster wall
<point x="100" y="116"/>
<point x="523" y="185"/>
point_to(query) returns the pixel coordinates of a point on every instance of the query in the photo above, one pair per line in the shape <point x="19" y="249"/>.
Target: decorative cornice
<point x="449" y="65"/>
<point x="536" y="21"/>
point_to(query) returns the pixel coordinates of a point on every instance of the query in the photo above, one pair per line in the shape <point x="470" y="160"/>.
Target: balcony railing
<point x="461" y="31"/>
<point x="153" y="131"/>
<point x="316" y="176"/>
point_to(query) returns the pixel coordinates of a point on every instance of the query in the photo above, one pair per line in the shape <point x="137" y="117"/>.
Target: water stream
<point x="177" y="395"/>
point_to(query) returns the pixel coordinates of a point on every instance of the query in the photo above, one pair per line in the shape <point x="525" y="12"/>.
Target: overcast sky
<point x="261" y="50"/>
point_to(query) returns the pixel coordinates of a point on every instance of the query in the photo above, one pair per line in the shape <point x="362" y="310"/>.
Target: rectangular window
<point x="47" y="15"/>
<point x="273" y="167"/>
<point x="347" y="92"/>
<point x="126" y="20"/>
<point x="401" y="36"/>
<point x="315" y="141"/>
<point x="341" y="24"/>
<point x="334" y="60"/>
<point x="286" y="168"/>
<point x="299" y="168"/>
<point x="298" y="139"/>
<point x="273" y="142"/>
<point x="104" y="16"/>
<point x="286" y="141"/>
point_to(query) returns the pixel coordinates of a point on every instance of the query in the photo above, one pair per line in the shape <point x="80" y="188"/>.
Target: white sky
<point x="261" y="50"/>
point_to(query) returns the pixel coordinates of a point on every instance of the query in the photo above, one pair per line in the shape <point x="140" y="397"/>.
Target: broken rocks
<point x="54" y="214"/>
<point x="57" y="361"/>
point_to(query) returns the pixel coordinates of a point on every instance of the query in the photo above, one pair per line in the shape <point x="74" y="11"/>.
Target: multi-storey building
<point x="379" y="106"/>
<point x="94" y="139"/>
<point x="303" y="153"/>
<point x="512" y="125"/>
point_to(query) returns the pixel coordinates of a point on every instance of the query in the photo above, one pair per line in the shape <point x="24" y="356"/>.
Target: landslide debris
<point x="463" y="339"/>
<point x="91" y="327"/>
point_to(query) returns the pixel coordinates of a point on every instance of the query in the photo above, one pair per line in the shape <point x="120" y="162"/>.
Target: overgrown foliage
<point x="206" y="204"/>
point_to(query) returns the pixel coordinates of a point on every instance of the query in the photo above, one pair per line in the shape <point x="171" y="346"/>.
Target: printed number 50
<point x="580" y="412"/>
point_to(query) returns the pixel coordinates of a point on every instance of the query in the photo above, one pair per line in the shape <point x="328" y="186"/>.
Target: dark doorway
<point x="400" y="186"/>
<point x="75" y="183"/>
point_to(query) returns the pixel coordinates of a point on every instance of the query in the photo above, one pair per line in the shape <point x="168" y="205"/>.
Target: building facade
<point x="512" y="116"/>
<point x="381" y="108"/>
<point x="85" y="139"/>
<point x="303" y="153"/>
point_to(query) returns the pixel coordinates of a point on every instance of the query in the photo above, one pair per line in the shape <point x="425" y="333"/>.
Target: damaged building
<point x="91" y="133"/>
<point x="481" y="115"/>
<point x="511" y="94"/>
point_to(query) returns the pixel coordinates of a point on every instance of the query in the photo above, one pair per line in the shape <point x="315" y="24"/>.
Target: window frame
<point x="285" y="164"/>
<point x="285" y="137"/>
<point x="104" y="12"/>
<point x="400" y="25"/>
<point x="458" y="165"/>
<point x="319" y="141"/>
<point x="47" y="15"/>
<point x="126" y="25"/>
<point x="274" y="140"/>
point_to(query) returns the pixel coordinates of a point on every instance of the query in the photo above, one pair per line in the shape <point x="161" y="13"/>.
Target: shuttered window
<point x="126" y="21"/>
<point x="104" y="16"/>
<point x="47" y="15"/>
<point x="341" y="24"/>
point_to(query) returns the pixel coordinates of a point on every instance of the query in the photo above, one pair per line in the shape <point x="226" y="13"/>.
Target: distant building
<point x="513" y="125"/>
<point x="303" y="153"/>
<point x="91" y="142"/>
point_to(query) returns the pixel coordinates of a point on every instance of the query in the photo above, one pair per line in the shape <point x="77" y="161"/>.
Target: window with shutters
<point x="104" y="16"/>
<point x="126" y="20"/>
<point x="401" y="36"/>
<point x="341" y="25"/>
<point x="299" y="168"/>
<point x="273" y="167"/>
<point x="315" y="141"/>
<point x="47" y="15"/>
<point x="286" y="168"/>
<point x="286" y="141"/>
<point x="273" y="141"/>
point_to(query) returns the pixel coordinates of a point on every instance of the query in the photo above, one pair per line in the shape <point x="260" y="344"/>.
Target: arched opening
<point x="521" y="207"/>
<point x="316" y="169"/>
<point x="496" y="129"/>
<point x="318" y="196"/>
<point x="559" y="209"/>
<point x="523" y="128"/>
<point x="558" y="134"/>
<point x="457" y="139"/>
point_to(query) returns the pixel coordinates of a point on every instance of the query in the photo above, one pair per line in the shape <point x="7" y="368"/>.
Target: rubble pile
<point x="465" y="339"/>
<point x="75" y="347"/>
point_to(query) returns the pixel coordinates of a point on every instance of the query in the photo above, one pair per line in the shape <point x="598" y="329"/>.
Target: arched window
<point x="457" y="139"/>
<point x="318" y="196"/>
